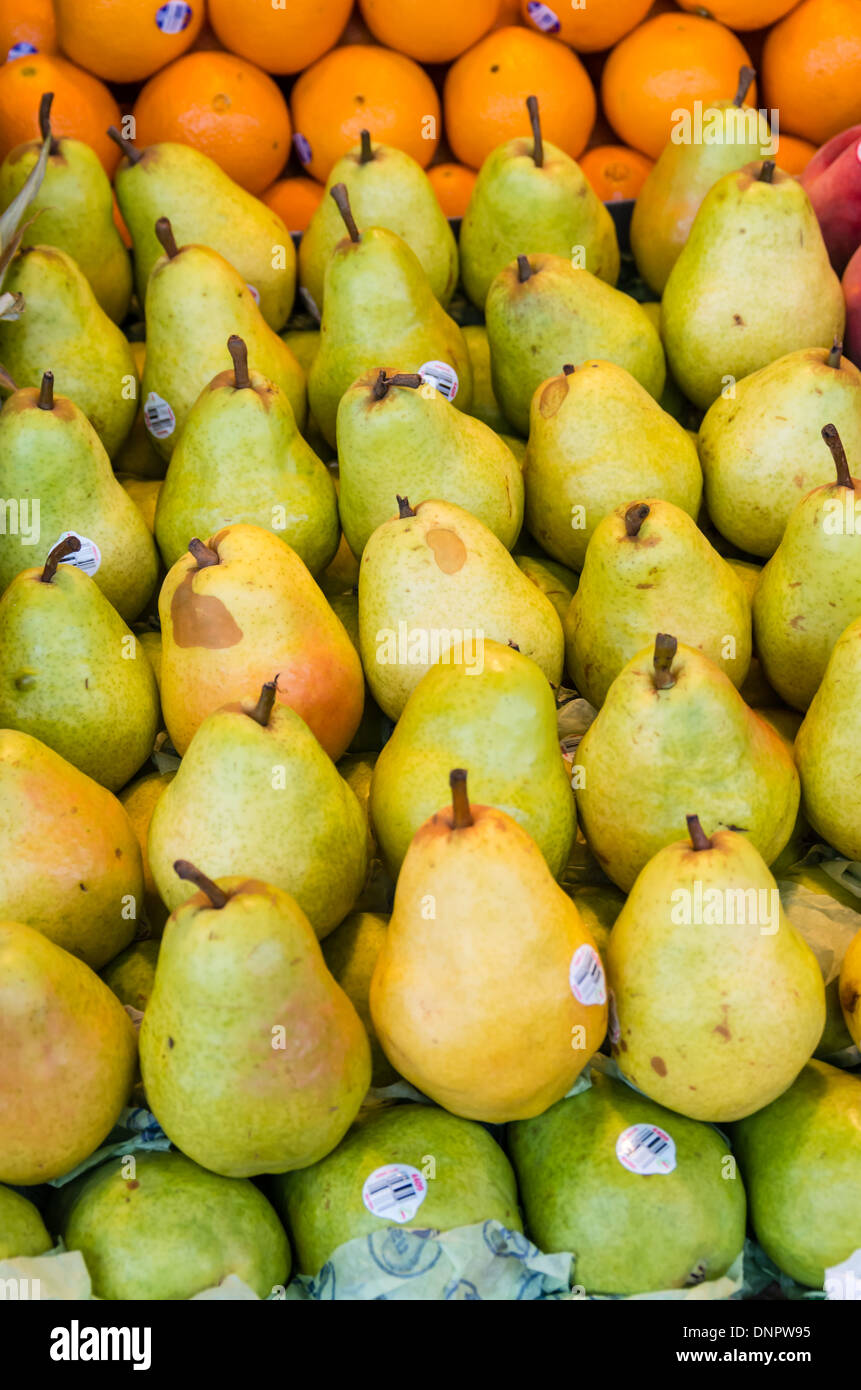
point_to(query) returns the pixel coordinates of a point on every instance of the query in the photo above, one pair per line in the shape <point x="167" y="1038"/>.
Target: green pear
<point x="397" y="434"/>
<point x="531" y="196"/>
<point x="137" y="456"/>
<point x="131" y="974"/>
<point x="52" y="462"/>
<point x="801" y="1160"/>
<point x="240" y="963"/>
<point x="380" y="309"/>
<point x="333" y="1201"/>
<point x="62" y="328"/>
<point x="195" y="300"/>
<point x="484" y="404"/>
<point x="636" y="581"/>
<point x="542" y="311"/>
<point x="811" y="587"/>
<point x="828" y="748"/>
<point x="277" y="808"/>
<point x="71" y="673"/>
<point x="69" y="1053"/>
<point x="752" y="283"/>
<point x="499" y="720"/>
<point x="22" y="1230"/>
<point x="673" y="733"/>
<point x="597" y="439"/>
<point x="172" y="1230"/>
<point x="350" y="954"/>
<point x="389" y="189"/>
<point x="605" y="1163"/>
<point x="719" y="1000"/>
<point x="434" y="580"/>
<point x="483" y="942"/>
<point x="304" y="344"/>
<point x="144" y="492"/>
<point x="599" y="907"/>
<point x="557" y="582"/>
<point x="205" y="207"/>
<point x="139" y="800"/>
<point x="240" y="457"/>
<point x="686" y="169"/>
<point x="71" y="866"/>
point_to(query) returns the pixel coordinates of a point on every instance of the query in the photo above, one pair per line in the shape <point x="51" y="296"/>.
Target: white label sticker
<point x="843" y="1281"/>
<point x="394" y="1193"/>
<point x="173" y="17"/>
<point x="586" y="976"/>
<point x="253" y="291"/>
<point x="87" y="558"/>
<point x="543" y="17"/>
<point x="441" y="376"/>
<point x="614" y="1032"/>
<point x="646" y="1150"/>
<point x="302" y="148"/>
<point x="158" y="416"/>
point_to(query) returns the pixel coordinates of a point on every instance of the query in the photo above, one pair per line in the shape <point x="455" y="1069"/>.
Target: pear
<point x="435" y="580"/>
<point x="483" y="942"/>
<point x="205" y="207"/>
<point x="685" y="171"/>
<point x="674" y="732"/>
<point x="485" y="406"/>
<point x="599" y="906"/>
<point x="380" y="309"/>
<point x="137" y="457"/>
<point x="350" y="953"/>
<point x="850" y="988"/>
<point x="387" y="188"/>
<point x="636" y="581"/>
<point x="801" y="1160"/>
<point x="52" y="462"/>
<point x="150" y="640"/>
<point x="69" y="1053"/>
<point x="276" y="807"/>
<point x="22" y="1230"/>
<point x="531" y="196"/>
<point x="144" y="492"/>
<point x="195" y="300"/>
<point x="350" y="1194"/>
<point x="237" y="610"/>
<point x="498" y="719"/>
<point x="608" y="1162"/>
<point x="597" y="439"/>
<point x="761" y="450"/>
<point x="811" y="587"/>
<point x="557" y="582"/>
<point x="828" y="747"/>
<point x="541" y="312"/>
<point x="399" y="435"/>
<point x="241" y="458"/>
<point x="70" y="865"/>
<point x="720" y="1001"/>
<point x="71" y="673"/>
<point x="131" y="974"/>
<point x="172" y="1230"/>
<point x="752" y="283"/>
<point x="240" y="963"/>
<point x="139" y="800"/>
<point x="64" y="329"/>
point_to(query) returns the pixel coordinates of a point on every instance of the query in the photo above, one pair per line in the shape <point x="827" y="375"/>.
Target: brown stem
<point x="568" y="368"/>
<point x="838" y="453"/>
<point x="835" y="356"/>
<point x="46" y="392"/>
<point x="68" y="546"/>
<point x="263" y="709"/>
<point x="524" y="269"/>
<point x="380" y="386"/>
<point x="45" y="120"/>
<point x="535" y="122"/>
<point x="404" y="508"/>
<point x="239" y="353"/>
<point x="766" y="173"/>
<point x="745" y="77"/>
<point x="217" y="897"/>
<point x="515" y="646"/>
<point x="699" y="838"/>
<point x="367" y="153"/>
<point x="461" y="813"/>
<point x="342" y="201"/>
<point x="164" y="232"/>
<point x="132" y="155"/>
<point x="665" y="650"/>
<point x="634" y="517"/>
<point x="203" y="554"/>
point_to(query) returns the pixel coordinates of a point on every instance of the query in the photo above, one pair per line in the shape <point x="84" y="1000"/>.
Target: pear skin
<point x="556" y="581"/>
<point x="350" y="953"/>
<point x="828" y="748"/>
<point x="22" y="1230"/>
<point x="850" y="988"/>
<point x="139" y="800"/>
<point x="484" y="406"/>
<point x="131" y="974"/>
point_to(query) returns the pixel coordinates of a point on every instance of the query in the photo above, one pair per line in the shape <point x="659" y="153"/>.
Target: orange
<point x="793" y="155"/>
<point x="432" y="33"/>
<point x="663" y="67"/>
<point x="363" y="87"/>
<point x="26" y="27"/>
<point x="126" y="40"/>
<point x="508" y="13"/>
<point x="741" y="14"/>
<point x="811" y="68"/>
<point x="279" y="38"/>
<point x="223" y="106"/>
<point x="83" y="107"/>
<point x="614" y="171"/>
<point x="294" y="200"/>
<point x="486" y="90"/>
<point x="453" y="185"/>
<point x="596" y="25"/>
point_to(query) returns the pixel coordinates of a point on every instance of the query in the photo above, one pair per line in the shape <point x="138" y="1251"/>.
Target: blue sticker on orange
<point x="302" y="148"/>
<point x="173" y="17"/>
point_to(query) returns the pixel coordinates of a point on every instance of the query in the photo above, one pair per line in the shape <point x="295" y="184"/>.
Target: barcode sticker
<point x="614" y="1032"/>
<point x="543" y="17"/>
<point x="441" y="376"/>
<point x="254" y="292"/>
<point x="646" y="1150"/>
<point x="173" y="17"/>
<point x="586" y="976"/>
<point x="158" y="416"/>
<point x="394" y="1193"/>
<point x="87" y="558"/>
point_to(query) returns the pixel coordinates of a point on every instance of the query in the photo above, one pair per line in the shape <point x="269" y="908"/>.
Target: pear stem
<point x="164" y="232"/>
<point x="515" y="646"/>
<point x="239" y="353"/>
<point x="203" y="554"/>
<point x="835" y="356"/>
<point x="838" y="453"/>
<point x="745" y="77"/>
<point x="383" y="382"/>
<point x="367" y="152"/>
<point x="404" y="508"/>
<point x="183" y="869"/>
<point x="634" y="518"/>
<point x="524" y="269"/>
<point x="461" y="813"/>
<point x="699" y="838"/>
<point x="132" y="155"/>
<point x="265" y="702"/>
<point x="342" y="201"/>
<point x="665" y="650"/>
<point x="45" y="121"/>
<point x="535" y="122"/>
<point x="46" y="392"/>
<point x="568" y="368"/>
<point x="65" y="547"/>
<point x="766" y="173"/>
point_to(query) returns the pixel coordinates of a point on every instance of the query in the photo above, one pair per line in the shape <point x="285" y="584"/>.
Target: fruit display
<point x="430" y="651"/>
